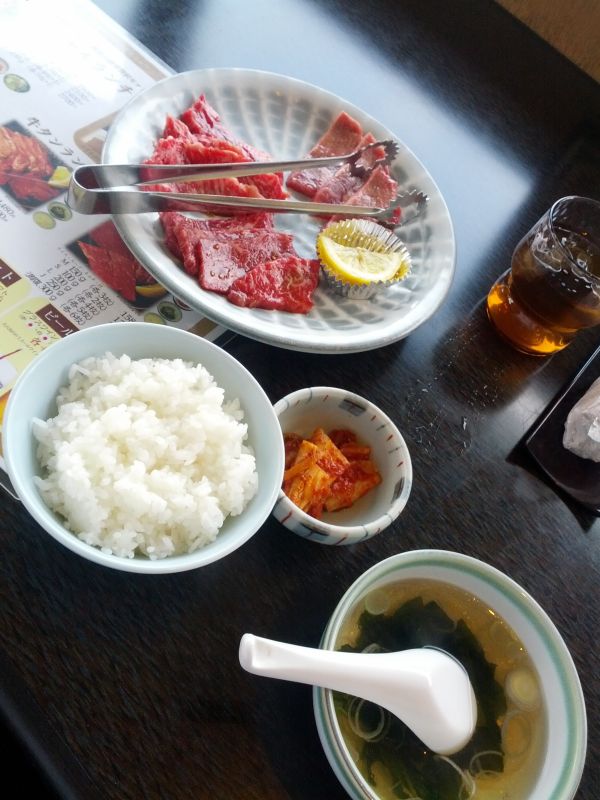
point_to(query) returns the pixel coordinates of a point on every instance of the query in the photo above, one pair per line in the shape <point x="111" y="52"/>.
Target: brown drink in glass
<point x="553" y="287"/>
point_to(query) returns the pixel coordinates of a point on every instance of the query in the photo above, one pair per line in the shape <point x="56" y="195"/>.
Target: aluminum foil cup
<point x="371" y="236"/>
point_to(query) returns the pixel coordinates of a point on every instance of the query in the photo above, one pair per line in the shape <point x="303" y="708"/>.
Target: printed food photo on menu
<point x="29" y="173"/>
<point x="108" y="257"/>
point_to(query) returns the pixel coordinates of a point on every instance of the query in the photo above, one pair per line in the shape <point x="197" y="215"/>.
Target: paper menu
<point x="66" y="69"/>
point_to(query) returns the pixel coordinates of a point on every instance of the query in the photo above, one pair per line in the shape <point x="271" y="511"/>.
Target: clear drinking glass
<point x="552" y="289"/>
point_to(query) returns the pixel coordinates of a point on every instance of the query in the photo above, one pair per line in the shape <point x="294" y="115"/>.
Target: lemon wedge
<point x="151" y="290"/>
<point x="359" y="264"/>
<point x="60" y="178"/>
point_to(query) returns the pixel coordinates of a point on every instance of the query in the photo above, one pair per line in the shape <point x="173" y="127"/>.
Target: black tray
<point x="578" y="477"/>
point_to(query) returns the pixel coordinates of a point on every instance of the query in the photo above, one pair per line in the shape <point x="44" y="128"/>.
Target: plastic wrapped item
<point x="582" y="428"/>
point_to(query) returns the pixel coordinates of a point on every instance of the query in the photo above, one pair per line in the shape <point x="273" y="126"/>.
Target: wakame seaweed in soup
<point x="503" y="757"/>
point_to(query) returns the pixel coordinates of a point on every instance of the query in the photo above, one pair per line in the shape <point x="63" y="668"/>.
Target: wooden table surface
<point x="127" y="686"/>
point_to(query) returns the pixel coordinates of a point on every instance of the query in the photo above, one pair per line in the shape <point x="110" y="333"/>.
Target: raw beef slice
<point x="115" y="270"/>
<point x="202" y="120"/>
<point x="183" y="233"/>
<point x="342" y="137"/>
<point x="107" y="236"/>
<point x="217" y="151"/>
<point x="378" y="191"/>
<point x="343" y="184"/>
<point x="227" y="256"/>
<point x="186" y="150"/>
<point x="176" y="128"/>
<point x="199" y="137"/>
<point x="284" y="284"/>
<point x="180" y="150"/>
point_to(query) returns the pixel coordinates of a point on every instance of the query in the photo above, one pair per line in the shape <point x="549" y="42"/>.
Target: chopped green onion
<point x="522" y="688"/>
<point x="516" y="734"/>
<point x="468" y="787"/>
<point x="477" y="768"/>
<point x="361" y="727"/>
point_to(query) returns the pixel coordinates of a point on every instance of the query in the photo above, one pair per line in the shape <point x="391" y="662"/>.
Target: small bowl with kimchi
<point x="348" y="472"/>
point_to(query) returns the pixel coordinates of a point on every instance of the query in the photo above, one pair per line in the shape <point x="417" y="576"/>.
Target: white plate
<point x="285" y="117"/>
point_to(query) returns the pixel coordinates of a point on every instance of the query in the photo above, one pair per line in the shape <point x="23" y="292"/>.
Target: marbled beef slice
<point x="343" y="136"/>
<point x="183" y="233"/>
<point x="283" y="284"/>
<point x="223" y="259"/>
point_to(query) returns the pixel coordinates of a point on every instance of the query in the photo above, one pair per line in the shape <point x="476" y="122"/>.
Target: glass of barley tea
<point x="552" y="289"/>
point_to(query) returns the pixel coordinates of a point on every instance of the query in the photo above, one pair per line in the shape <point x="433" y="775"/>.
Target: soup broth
<point x="504" y="756"/>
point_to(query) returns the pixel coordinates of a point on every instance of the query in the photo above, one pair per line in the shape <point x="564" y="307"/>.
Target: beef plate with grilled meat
<point x="25" y="167"/>
<point x="111" y="260"/>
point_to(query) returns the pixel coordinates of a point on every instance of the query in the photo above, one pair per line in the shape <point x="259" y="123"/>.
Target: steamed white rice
<point x="144" y="456"/>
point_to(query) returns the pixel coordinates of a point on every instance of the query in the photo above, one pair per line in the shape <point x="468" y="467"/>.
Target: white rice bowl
<point x="144" y="456"/>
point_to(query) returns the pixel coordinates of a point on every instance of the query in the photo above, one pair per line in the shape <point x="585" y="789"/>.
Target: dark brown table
<point x="127" y="686"/>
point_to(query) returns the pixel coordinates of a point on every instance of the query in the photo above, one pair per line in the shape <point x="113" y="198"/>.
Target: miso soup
<point x="502" y="760"/>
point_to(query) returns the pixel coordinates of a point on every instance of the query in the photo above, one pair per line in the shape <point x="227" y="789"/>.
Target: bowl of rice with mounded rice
<point x="138" y="447"/>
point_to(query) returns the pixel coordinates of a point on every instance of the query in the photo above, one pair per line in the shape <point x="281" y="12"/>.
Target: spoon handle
<point x="359" y="674"/>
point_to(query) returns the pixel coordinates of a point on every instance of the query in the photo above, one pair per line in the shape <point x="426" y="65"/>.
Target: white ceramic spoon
<point x="426" y="688"/>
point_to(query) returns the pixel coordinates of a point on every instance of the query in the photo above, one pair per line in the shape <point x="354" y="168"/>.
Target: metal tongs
<point x="120" y="188"/>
